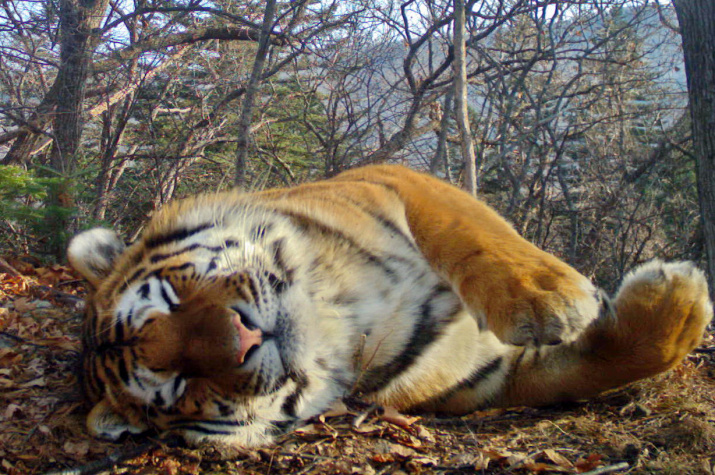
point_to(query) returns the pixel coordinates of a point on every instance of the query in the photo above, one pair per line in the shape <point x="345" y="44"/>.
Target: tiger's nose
<point x="247" y="339"/>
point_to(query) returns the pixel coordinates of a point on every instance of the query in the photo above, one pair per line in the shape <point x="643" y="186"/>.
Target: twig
<point x="608" y="469"/>
<point x="360" y="418"/>
<point x="303" y="456"/>
<point x="116" y="458"/>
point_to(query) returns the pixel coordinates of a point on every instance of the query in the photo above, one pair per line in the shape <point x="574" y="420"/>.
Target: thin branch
<point x="609" y="469"/>
<point x="157" y="43"/>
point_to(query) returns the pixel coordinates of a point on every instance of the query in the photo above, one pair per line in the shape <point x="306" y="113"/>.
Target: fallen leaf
<point x="589" y="463"/>
<point x="37" y="382"/>
<point x="24" y="305"/>
<point x="540" y="467"/>
<point x="62" y="342"/>
<point x="517" y="458"/>
<point x="11" y="410"/>
<point x="76" y="449"/>
<point x="477" y="460"/>
<point x="558" y="459"/>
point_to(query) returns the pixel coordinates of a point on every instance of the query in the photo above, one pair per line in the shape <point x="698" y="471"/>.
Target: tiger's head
<point x="195" y="335"/>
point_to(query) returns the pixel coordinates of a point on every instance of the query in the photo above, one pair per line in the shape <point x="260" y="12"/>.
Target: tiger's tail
<point x="658" y="316"/>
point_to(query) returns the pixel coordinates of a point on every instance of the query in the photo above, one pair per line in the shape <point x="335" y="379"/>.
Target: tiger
<point x="238" y="316"/>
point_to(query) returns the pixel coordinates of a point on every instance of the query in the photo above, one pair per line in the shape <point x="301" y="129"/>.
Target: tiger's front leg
<point x="521" y="293"/>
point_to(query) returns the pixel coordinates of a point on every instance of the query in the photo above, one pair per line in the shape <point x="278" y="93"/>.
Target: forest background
<point x="577" y="113"/>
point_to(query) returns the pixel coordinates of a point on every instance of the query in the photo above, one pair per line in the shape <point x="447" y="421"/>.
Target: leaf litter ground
<point x="663" y="425"/>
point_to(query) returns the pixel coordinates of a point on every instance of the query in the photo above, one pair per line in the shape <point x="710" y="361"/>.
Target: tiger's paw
<point x="544" y="308"/>
<point x="667" y="302"/>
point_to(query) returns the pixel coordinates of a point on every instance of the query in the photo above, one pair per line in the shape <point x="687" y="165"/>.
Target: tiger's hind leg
<point x="660" y="314"/>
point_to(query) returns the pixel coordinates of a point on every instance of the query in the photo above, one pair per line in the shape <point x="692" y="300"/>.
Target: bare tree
<point x="251" y="90"/>
<point x="461" y="98"/>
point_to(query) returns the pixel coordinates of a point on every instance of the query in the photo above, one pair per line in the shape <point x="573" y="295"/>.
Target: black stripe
<point x="424" y="333"/>
<point x="223" y="409"/>
<point x="259" y="231"/>
<point x="278" y="285"/>
<point x="175" y="386"/>
<point x="212" y="264"/>
<point x="221" y="423"/>
<point x="384" y="222"/>
<point x="161" y="257"/>
<point x="279" y="260"/>
<point x="158" y="399"/>
<point x="164" y="295"/>
<point x="118" y="331"/>
<point x="216" y="249"/>
<point x="178" y="235"/>
<point x="204" y="430"/>
<point x="481" y="374"/>
<point x="144" y="290"/>
<point x="309" y="224"/>
<point x="131" y="279"/>
<point x="139" y="383"/>
<point x="291" y="402"/>
<point x="183" y="266"/>
<point x="122" y="368"/>
<point x="254" y="291"/>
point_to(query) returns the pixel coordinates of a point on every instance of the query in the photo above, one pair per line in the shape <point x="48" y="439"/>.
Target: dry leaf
<point x="517" y="458"/>
<point x="24" y="305"/>
<point x="540" y="467"/>
<point x="62" y="342"/>
<point x="476" y="459"/>
<point x="37" y="382"/>
<point x="426" y="461"/>
<point x="11" y="410"/>
<point x="558" y="459"/>
<point x="53" y="275"/>
<point x="76" y="449"/>
<point x="591" y="462"/>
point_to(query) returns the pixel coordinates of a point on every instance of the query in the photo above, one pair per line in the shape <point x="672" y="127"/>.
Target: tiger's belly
<point x="413" y="344"/>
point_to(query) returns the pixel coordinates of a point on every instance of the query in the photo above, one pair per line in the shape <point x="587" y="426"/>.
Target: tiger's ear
<point x="92" y="253"/>
<point x="103" y="422"/>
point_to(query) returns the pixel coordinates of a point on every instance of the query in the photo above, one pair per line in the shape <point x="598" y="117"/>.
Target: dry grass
<point x="664" y="425"/>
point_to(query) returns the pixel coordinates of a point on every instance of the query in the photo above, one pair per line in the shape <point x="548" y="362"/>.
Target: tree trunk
<point x="78" y="21"/>
<point x="697" y="28"/>
<point x="244" y="126"/>
<point x="460" y="98"/>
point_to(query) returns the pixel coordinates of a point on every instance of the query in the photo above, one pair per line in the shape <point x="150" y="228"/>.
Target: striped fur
<point x="237" y="316"/>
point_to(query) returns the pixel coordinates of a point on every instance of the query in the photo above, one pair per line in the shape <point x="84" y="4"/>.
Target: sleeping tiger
<point x="238" y="315"/>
